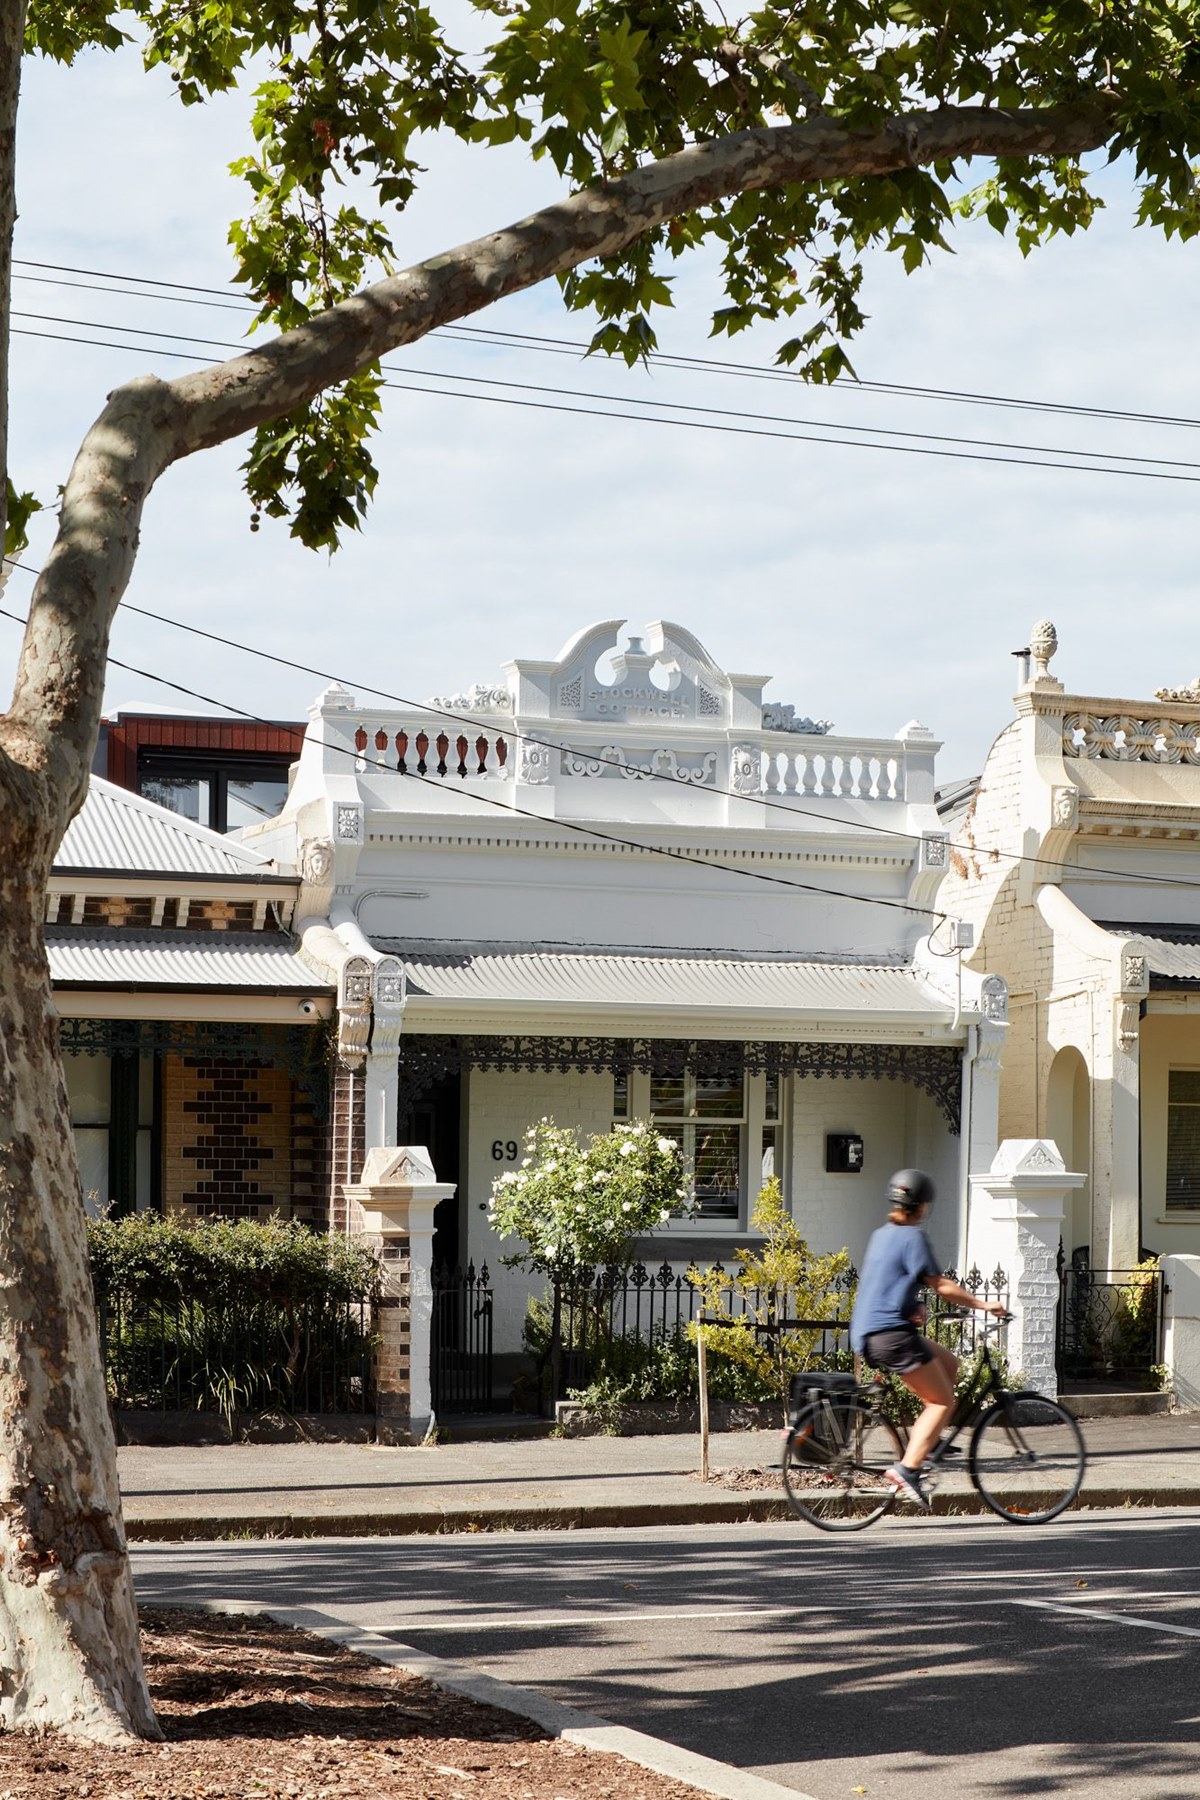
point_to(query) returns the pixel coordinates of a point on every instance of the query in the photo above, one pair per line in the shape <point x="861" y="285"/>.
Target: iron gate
<point x="461" y="1371"/>
<point x="1109" y="1323"/>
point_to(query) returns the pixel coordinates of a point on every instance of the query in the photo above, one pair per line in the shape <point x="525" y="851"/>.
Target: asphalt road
<point x="918" y="1661"/>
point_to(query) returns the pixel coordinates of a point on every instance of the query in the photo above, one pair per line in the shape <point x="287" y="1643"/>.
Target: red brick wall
<point x="227" y="1129"/>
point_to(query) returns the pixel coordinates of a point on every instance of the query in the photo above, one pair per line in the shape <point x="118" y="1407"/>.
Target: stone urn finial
<point x="1043" y="642"/>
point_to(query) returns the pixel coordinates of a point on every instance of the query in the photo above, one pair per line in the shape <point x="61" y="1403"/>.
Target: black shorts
<point x="899" y="1349"/>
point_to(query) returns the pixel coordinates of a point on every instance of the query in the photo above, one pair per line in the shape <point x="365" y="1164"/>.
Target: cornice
<point x="848" y="855"/>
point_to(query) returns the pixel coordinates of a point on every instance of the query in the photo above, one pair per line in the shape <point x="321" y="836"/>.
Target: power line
<point x="825" y="435"/>
<point x="588" y="831"/>
<point x="563" y="346"/>
<point x="989" y="852"/>
<point x="641" y="401"/>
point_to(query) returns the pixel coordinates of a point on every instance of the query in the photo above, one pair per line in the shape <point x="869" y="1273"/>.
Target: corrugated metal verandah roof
<point x="707" y="984"/>
<point x="203" y="961"/>
<point x="119" y="832"/>
<point x="1172" y="951"/>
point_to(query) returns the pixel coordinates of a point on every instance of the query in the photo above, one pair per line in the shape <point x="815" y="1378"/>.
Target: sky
<point x="873" y="587"/>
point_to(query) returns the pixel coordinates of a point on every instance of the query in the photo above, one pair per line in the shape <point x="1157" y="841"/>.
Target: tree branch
<point x="150" y="424"/>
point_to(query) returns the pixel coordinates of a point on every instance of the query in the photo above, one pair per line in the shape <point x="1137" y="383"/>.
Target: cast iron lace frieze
<point x="935" y="1069"/>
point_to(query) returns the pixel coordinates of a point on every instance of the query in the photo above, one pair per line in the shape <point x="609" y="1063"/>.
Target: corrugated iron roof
<point x="117" y="831"/>
<point x="704" y="984"/>
<point x="214" y="961"/>
<point x="1172" y="951"/>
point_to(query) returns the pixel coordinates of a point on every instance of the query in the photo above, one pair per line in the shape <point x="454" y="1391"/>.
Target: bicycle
<point x="1026" y="1456"/>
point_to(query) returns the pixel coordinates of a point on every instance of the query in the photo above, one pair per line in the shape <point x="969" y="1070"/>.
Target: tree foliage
<point x="344" y="92"/>
<point x="782" y="1280"/>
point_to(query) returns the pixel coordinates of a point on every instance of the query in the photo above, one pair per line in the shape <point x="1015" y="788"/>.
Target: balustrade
<point x="821" y="771"/>
<point x="1124" y="737"/>
<point x="439" y="754"/>
<point x="773" y="763"/>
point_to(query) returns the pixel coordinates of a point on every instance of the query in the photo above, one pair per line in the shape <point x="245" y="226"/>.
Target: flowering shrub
<point x="572" y="1203"/>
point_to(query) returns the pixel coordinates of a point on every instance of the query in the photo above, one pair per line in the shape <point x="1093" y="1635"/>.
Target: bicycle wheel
<point x="834" y="1462"/>
<point x="1027" y="1458"/>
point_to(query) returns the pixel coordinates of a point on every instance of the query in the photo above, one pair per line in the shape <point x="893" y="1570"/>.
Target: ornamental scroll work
<point x="1129" y="1015"/>
<point x="935" y="1069"/>
<point x="476" y="699"/>
<point x="1124" y="738"/>
<point x="612" y="760"/>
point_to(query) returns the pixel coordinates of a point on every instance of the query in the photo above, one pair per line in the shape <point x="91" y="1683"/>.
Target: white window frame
<point x="751" y="1128"/>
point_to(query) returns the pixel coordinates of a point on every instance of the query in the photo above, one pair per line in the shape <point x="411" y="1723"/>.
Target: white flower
<point x="525" y="1161"/>
<point x="663" y="1216"/>
<point x="627" y="1206"/>
<point x="579" y="1187"/>
<point x="666" y="1145"/>
<point x="681" y="1193"/>
<point x="601" y="1175"/>
<point x="550" y="1168"/>
<point x="509" y="1178"/>
<point x="628" y="1149"/>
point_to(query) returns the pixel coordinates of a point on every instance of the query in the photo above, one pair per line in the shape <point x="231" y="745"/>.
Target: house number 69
<point x="502" y="1152"/>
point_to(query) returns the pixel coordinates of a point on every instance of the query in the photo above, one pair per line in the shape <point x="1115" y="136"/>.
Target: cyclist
<point x="883" y="1327"/>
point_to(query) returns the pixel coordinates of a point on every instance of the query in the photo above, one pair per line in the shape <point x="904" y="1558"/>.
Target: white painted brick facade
<point x="900" y="1127"/>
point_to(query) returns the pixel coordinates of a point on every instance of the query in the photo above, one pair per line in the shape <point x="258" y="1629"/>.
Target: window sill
<point x="1190" y="1217"/>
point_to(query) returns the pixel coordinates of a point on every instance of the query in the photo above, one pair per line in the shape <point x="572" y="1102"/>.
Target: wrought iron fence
<point x="461" y="1376"/>
<point x="182" y="1353"/>
<point x="948" y="1324"/>
<point x="602" y="1311"/>
<point x="1109" y="1322"/>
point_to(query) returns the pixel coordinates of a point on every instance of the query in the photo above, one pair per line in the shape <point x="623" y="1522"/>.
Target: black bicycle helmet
<point x="909" y="1190"/>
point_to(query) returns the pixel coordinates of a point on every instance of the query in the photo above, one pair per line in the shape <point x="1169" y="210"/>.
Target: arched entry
<point x="1069" y="1123"/>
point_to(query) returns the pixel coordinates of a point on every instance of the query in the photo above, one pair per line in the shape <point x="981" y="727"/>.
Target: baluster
<point x="502" y="755"/>
<point x="402" y="751"/>
<point x="443" y="745"/>
<point x="791" y="774"/>
<point x="461" y="745"/>
<point x="381" y="739"/>
<point x="845" y="785"/>
<point x="422" y="747"/>
<point x="360" y="739"/>
<point x="481" y="750"/>
<point x="808" y="785"/>
<point x="771" y="772"/>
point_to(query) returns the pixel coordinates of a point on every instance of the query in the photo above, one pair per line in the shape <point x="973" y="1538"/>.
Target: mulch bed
<point x="744" y="1480"/>
<point x="255" y="1711"/>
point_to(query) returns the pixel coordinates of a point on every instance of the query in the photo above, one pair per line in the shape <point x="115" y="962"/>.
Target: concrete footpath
<point x="357" y="1490"/>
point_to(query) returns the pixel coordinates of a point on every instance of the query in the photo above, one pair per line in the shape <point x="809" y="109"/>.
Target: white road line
<point x="516" y="1621"/>
<point x="1087" y="1612"/>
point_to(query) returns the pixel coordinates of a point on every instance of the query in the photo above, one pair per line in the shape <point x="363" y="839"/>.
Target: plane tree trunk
<point x="68" y="1630"/>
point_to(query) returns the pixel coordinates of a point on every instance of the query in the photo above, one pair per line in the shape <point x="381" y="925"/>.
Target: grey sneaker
<point x="908" y="1483"/>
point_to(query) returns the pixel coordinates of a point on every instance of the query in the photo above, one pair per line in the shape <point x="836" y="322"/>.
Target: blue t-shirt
<point x="898" y="1259"/>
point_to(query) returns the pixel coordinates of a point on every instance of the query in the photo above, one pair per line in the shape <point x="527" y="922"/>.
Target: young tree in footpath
<point x="793" y="139"/>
